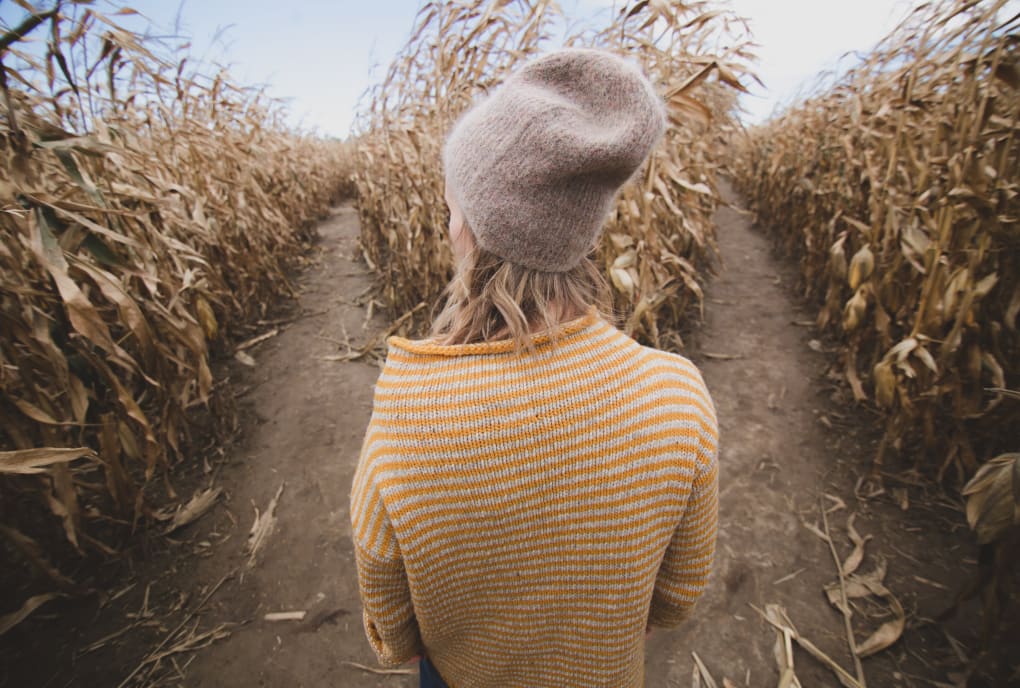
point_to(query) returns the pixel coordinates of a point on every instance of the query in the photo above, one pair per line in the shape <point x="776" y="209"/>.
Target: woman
<point x="536" y="490"/>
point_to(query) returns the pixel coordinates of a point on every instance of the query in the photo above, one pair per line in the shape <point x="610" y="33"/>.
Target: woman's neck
<point x="559" y="314"/>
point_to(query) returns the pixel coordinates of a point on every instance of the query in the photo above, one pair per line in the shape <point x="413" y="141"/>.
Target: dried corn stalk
<point x="146" y="208"/>
<point x="659" y="240"/>
<point x="899" y="187"/>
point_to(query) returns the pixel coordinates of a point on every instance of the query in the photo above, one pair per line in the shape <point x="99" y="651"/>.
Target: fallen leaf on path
<point x="874" y="580"/>
<point x="783" y="650"/>
<point x="191" y="642"/>
<point x="262" y="527"/>
<point x="9" y="621"/>
<point x="789" y="576"/>
<point x="248" y="343"/>
<point x="837" y="503"/>
<point x="844" y="602"/>
<point x="864" y="585"/>
<point x="928" y="581"/>
<point x="868" y="487"/>
<point x="285" y="616"/>
<point x="387" y="672"/>
<point x="776" y="616"/>
<point x="196" y="642"/>
<point x="244" y="358"/>
<point x="854" y="590"/>
<point x="105" y="640"/>
<point x="703" y="671"/>
<point x="855" y="558"/>
<point x="887" y="634"/>
<point x="200" y="503"/>
<point x="721" y="357"/>
<point x="816" y="530"/>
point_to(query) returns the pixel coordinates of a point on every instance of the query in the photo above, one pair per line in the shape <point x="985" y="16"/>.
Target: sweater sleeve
<point x="388" y="614"/>
<point x="687" y="563"/>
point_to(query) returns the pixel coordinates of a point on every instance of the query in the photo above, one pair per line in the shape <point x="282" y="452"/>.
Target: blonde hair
<point x="490" y="298"/>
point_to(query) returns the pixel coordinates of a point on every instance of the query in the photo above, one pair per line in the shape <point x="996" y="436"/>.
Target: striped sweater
<point x="522" y="517"/>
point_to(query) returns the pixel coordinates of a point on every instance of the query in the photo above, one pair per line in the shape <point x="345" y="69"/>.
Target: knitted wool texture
<point x="522" y="517"/>
<point x="536" y="166"/>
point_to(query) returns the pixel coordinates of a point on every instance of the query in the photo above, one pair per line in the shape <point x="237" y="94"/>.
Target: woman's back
<point x="525" y="515"/>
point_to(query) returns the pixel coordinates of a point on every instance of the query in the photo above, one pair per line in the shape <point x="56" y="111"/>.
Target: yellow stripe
<point x="494" y="425"/>
<point x="601" y="537"/>
<point x="584" y="472"/>
<point x="413" y="488"/>
<point x="624" y="432"/>
<point x="628" y="375"/>
<point x="532" y="551"/>
<point x="547" y="498"/>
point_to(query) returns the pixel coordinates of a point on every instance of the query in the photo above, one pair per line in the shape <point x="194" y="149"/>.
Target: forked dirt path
<point x="788" y="436"/>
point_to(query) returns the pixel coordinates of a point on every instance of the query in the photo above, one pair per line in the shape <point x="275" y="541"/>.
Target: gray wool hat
<point x="536" y="165"/>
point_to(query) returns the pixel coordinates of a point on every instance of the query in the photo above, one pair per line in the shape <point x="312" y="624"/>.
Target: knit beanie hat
<point x="536" y="165"/>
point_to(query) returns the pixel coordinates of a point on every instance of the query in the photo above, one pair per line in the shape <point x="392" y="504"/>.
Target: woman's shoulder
<point x="670" y="358"/>
<point x="674" y="366"/>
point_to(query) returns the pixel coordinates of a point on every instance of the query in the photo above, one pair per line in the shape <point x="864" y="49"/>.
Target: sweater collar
<point x="501" y="346"/>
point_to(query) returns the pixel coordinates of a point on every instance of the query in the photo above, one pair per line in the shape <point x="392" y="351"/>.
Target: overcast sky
<point x="322" y="54"/>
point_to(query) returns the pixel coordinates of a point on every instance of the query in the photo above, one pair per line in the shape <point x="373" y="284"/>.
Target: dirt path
<point x="788" y="437"/>
<point x="312" y="412"/>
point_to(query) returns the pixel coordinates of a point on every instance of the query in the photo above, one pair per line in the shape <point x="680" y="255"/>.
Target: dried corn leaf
<point x="28" y="461"/>
<point x="200" y="502"/>
<point x="262" y="527"/>
<point x="993" y="497"/>
<point x="776" y="616"/>
<point x="142" y="223"/>
<point x="912" y="171"/>
<point x="855" y="557"/>
<point x="703" y="672"/>
<point x="36" y="556"/>
<point x="9" y="621"/>
<point x="887" y="634"/>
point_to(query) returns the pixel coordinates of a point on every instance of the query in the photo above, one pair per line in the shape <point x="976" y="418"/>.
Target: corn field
<point x="148" y="210"/>
<point x="659" y="242"/>
<point x="899" y="188"/>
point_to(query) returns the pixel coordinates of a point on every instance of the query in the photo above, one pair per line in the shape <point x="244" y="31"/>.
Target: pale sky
<point x="319" y="54"/>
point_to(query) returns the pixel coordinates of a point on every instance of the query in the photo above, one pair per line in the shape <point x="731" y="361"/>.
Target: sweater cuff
<point x="398" y="647"/>
<point x="665" y="615"/>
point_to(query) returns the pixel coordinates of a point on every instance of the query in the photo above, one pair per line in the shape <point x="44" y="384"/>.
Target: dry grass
<point x="899" y="186"/>
<point x="148" y="208"/>
<point x="659" y="241"/>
